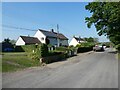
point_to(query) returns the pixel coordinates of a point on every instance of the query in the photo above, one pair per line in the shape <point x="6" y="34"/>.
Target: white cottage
<point x="26" y="40"/>
<point x="76" y="40"/>
<point x="51" y="37"/>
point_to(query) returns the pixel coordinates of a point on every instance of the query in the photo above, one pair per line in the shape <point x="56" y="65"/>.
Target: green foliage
<point x="61" y="49"/>
<point x="19" y="49"/>
<point x="36" y="51"/>
<point x="85" y="47"/>
<point x="43" y="50"/>
<point x="107" y="44"/>
<point x="87" y="44"/>
<point x="78" y="45"/>
<point x="7" y="44"/>
<point x="106" y="18"/>
<point x="90" y="39"/>
<point x="54" y="58"/>
<point x="118" y="47"/>
<point x="72" y="48"/>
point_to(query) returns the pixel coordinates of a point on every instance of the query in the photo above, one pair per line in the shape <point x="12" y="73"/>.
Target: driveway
<point x="87" y="70"/>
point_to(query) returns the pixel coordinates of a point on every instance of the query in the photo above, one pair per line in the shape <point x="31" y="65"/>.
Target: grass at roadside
<point x="16" y="61"/>
<point x="119" y="55"/>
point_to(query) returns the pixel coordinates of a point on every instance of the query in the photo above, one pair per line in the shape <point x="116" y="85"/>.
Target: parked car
<point x="98" y="48"/>
<point x="8" y="49"/>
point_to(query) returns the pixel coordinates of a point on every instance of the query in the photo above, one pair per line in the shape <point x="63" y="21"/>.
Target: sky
<point x="70" y="16"/>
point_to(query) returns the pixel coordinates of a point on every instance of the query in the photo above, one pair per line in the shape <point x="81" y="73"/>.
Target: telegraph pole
<point x="58" y="42"/>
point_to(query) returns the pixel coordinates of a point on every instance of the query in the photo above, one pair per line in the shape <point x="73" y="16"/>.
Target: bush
<point x="43" y="50"/>
<point x="61" y="49"/>
<point x="118" y="47"/>
<point x="84" y="47"/>
<point x="19" y="49"/>
<point x="54" y="58"/>
<point x="36" y="51"/>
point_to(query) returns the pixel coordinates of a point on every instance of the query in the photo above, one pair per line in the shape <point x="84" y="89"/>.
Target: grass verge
<point x="119" y="56"/>
<point x="17" y="61"/>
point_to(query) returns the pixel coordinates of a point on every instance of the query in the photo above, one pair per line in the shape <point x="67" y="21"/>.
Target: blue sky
<point x="39" y="15"/>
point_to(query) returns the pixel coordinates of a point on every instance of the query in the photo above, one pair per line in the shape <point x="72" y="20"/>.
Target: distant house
<point x="76" y="40"/>
<point x="43" y="36"/>
<point x="51" y="37"/>
<point x="26" y="40"/>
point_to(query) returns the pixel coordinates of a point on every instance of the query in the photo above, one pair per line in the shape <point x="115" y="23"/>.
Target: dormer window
<point x="42" y="38"/>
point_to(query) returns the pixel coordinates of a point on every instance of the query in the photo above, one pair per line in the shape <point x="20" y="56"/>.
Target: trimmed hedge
<point x="19" y="49"/>
<point x="54" y="58"/>
<point x="118" y="47"/>
<point x="36" y="51"/>
<point x="84" y="49"/>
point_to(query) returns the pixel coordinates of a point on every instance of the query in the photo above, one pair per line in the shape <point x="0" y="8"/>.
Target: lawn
<point x="119" y="55"/>
<point x="17" y="61"/>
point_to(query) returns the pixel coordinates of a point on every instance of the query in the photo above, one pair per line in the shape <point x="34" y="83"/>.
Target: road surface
<point x="88" y="70"/>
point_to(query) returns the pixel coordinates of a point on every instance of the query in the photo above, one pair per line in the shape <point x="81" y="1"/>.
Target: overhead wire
<point x="20" y="28"/>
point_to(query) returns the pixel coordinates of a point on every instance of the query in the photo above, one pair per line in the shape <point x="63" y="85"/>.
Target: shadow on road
<point x="113" y="52"/>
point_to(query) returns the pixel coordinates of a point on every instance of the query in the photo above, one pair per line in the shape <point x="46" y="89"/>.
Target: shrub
<point x="43" y="50"/>
<point x="36" y="51"/>
<point x="84" y="47"/>
<point x="118" y="47"/>
<point x="61" y="49"/>
<point x="19" y="49"/>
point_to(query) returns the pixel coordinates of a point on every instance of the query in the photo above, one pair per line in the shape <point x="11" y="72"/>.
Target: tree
<point x="13" y="42"/>
<point x="106" y="18"/>
<point x="7" y="44"/>
<point x="90" y="39"/>
<point x="6" y="40"/>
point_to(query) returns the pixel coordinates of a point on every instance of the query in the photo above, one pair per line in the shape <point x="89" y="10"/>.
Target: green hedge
<point x="85" y="47"/>
<point x="61" y="49"/>
<point x="19" y="49"/>
<point x="118" y="47"/>
<point x="54" y="58"/>
<point x="36" y="51"/>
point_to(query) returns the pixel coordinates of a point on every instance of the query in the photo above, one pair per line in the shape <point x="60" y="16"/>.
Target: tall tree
<point x="106" y="18"/>
<point x="6" y="40"/>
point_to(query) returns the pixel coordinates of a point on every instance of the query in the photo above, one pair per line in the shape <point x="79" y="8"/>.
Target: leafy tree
<point x="106" y="18"/>
<point x="13" y="42"/>
<point x="90" y="39"/>
<point x="6" y="40"/>
<point x="7" y="44"/>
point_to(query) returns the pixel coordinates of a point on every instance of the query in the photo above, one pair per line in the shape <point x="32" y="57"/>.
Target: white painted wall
<point x="40" y="35"/>
<point x="73" y="42"/>
<point x="20" y="42"/>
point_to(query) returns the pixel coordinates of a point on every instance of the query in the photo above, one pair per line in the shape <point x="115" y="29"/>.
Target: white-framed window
<point x="42" y="38"/>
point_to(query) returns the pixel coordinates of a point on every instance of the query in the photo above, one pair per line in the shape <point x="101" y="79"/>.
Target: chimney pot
<point x="52" y="30"/>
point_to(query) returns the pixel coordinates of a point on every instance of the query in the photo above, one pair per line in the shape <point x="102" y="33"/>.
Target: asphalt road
<point x="88" y="70"/>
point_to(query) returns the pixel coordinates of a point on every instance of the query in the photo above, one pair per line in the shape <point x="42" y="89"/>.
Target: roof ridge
<point x="27" y="36"/>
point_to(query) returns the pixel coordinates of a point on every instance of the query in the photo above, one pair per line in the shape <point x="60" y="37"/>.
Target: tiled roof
<point x="53" y="34"/>
<point x="30" y="40"/>
<point x="79" y="39"/>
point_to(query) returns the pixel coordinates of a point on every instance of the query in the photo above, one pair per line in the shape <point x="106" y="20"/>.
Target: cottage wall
<point x="40" y="36"/>
<point x="20" y="42"/>
<point x="73" y="42"/>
